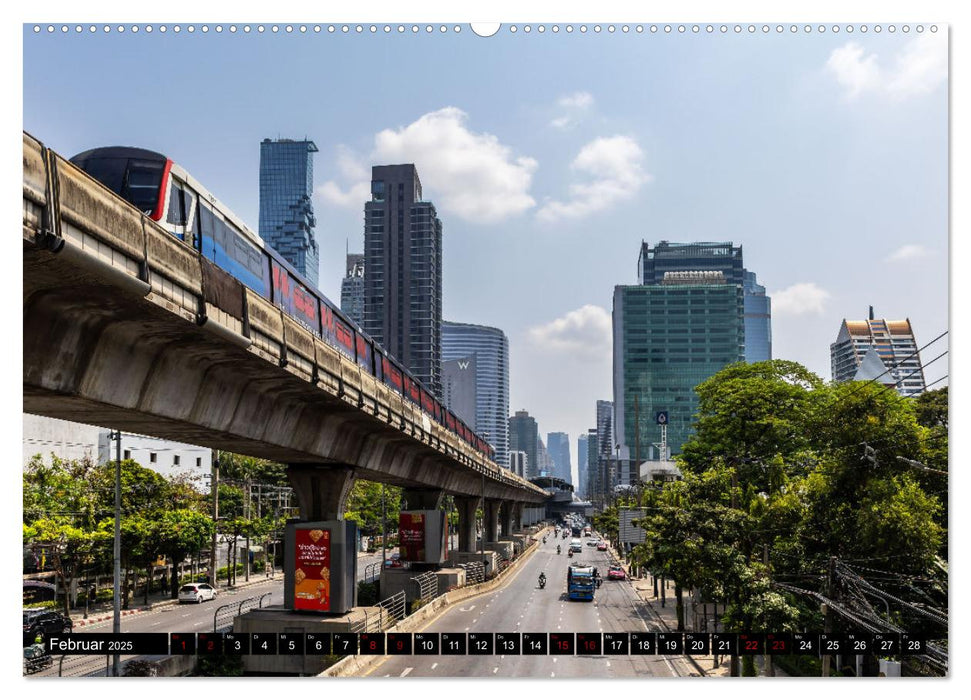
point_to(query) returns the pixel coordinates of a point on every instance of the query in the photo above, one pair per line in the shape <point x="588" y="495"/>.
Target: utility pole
<point x="116" y="602"/>
<point x="215" y="517"/>
<point x="384" y="530"/>
<point x="828" y="614"/>
<point x="249" y="518"/>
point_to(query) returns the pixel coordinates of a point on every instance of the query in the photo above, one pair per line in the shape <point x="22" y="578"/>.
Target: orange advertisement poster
<point x="312" y="570"/>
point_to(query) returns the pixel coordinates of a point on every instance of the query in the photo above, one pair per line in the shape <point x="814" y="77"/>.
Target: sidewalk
<point x="668" y="616"/>
<point x="156" y="600"/>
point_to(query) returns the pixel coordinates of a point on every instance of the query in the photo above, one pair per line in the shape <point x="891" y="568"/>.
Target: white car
<point x="196" y="593"/>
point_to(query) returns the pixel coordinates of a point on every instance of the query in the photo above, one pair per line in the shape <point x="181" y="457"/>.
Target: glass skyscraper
<point x="668" y="338"/>
<point x="523" y="437"/>
<point x="722" y="257"/>
<point x="558" y="445"/>
<point x="489" y="349"/>
<point x="403" y="272"/>
<point x="286" y="212"/>
<point x="581" y="485"/>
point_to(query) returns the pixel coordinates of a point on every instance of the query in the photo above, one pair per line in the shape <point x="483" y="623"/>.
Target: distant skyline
<point x="825" y="156"/>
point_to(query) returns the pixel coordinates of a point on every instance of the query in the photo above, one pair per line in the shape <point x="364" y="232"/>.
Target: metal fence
<point x="474" y="572"/>
<point x="222" y="619"/>
<point x="390" y="611"/>
<point x="427" y="585"/>
<point x="372" y="572"/>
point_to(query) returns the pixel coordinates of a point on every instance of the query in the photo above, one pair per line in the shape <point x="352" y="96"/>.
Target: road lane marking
<point x="495" y="670"/>
<point x="434" y="665"/>
<point x="552" y="674"/>
<point x="608" y="664"/>
<point x="468" y="609"/>
<point x="406" y="672"/>
<point x="466" y="629"/>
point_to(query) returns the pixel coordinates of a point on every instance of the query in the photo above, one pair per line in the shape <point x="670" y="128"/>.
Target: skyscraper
<point x="523" y="436"/>
<point x="591" y="484"/>
<point x="517" y="463"/>
<point x="352" y="289"/>
<point x="558" y="445"/>
<point x="668" y="338"/>
<point x="490" y="373"/>
<point x="460" y="391"/>
<point x="403" y="272"/>
<point x="896" y="360"/>
<point x="758" y="320"/>
<point x="722" y="257"/>
<point x="581" y="483"/>
<point x="286" y="212"/>
<point x="605" y="429"/>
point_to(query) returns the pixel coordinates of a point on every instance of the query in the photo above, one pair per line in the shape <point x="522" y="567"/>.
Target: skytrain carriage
<point x="167" y="194"/>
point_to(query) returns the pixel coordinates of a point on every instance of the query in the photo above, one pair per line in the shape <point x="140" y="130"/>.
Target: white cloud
<point x="354" y="169"/>
<point x="469" y="174"/>
<point x="614" y="164"/>
<point x="799" y="299"/>
<point x="578" y="100"/>
<point x="908" y="252"/>
<point x="919" y="67"/>
<point x="574" y="104"/>
<point x="585" y="332"/>
<point x="852" y="70"/>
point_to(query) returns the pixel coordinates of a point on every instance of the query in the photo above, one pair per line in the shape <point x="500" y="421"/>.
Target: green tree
<point x="179" y="533"/>
<point x="364" y="506"/>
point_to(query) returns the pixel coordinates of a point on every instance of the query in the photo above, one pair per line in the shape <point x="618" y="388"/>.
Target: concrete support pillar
<point x="321" y="489"/>
<point x="466" y="506"/>
<point x="505" y="518"/>
<point x="515" y="517"/>
<point x="491" y="533"/>
<point x="422" y="499"/>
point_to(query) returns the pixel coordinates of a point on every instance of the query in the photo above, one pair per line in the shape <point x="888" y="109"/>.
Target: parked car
<point x="196" y="593"/>
<point x="45" y="623"/>
<point x="616" y="573"/>
<point x="601" y="546"/>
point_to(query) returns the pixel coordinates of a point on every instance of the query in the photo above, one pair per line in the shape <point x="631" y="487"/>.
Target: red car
<point x="616" y="573"/>
<point x="601" y="546"/>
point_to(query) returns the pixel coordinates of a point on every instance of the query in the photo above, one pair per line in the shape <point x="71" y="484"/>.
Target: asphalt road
<point x="520" y="606"/>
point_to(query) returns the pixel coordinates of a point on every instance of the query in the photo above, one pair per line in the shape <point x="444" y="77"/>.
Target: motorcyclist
<point x="542" y="579"/>
<point x="557" y="549"/>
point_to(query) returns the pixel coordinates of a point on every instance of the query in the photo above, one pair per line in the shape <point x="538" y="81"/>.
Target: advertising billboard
<point x="312" y="569"/>
<point x="422" y="536"/>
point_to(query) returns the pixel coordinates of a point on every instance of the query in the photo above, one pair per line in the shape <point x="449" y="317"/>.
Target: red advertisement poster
<point x="312" y="570"/>
<point x="411" y="536"/>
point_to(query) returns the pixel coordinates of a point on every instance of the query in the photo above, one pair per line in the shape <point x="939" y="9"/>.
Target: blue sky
<point x="551" y="156"/>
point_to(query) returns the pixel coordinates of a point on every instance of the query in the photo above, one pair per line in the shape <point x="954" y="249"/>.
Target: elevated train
<point x="169" y="195"/>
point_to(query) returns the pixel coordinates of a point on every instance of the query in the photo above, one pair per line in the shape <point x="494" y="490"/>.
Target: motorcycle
<point x="557" y="549"/>
<point x="36" y="658"/>
<point x="570" y="554"/>
<point x="542" y="582"/>
<point x="544" y="540"/>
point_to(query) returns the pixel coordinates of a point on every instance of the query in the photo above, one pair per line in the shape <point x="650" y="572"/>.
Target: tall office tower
<point x="489" y="348"/>
<point x="722" y="257"/>
<point x="758" y="320"/>
<point x="592" y="482"/>
<point x="523" y="435"/>
<point x="517" y="463"/>
<point x="605" y="429"/>
<point x="403" y="272"/>
<point x="581" y="482"/>
<point x="545" y="463"/>
<point x="352" y="289"/>
<point x="878" y="349"/>
<point x="286" y="212"/>
<point x="668" y="338"/>
<point x="558" y="445"/>
<point x="460" y="390"/>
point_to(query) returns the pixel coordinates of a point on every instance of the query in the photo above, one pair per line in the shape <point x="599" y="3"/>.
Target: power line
<point x="887" y="371"/>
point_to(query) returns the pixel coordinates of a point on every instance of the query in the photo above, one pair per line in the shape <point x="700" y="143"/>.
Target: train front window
<point x="142" y="181"/>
